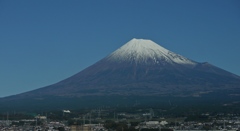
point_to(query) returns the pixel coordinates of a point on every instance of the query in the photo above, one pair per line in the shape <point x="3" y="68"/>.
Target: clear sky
<point x="45" y="41"/>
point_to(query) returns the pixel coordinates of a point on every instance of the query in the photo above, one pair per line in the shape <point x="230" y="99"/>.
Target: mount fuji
<point x="140" y="68"/>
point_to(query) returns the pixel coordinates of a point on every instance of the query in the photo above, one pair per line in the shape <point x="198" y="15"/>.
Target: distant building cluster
<point x="104" y="120"/>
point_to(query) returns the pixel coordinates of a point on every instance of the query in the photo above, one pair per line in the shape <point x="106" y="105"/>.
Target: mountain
<point x="140" y="68"/>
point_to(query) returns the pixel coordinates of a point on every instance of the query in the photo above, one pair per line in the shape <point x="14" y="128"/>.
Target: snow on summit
<point x="145" y="51"/>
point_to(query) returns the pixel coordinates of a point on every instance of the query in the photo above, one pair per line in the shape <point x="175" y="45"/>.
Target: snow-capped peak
<point x="145" y="51"/>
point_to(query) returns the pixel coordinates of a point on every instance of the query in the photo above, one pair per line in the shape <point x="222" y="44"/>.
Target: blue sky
<point x="45" y="41"/>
